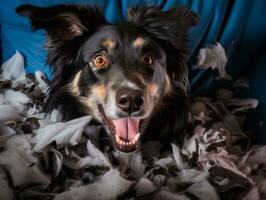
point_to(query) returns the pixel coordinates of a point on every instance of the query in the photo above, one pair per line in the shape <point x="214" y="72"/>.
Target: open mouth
<point x="125" y="131"/>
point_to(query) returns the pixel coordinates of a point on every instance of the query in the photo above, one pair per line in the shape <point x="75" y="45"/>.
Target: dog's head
<point x="117" y="73"/>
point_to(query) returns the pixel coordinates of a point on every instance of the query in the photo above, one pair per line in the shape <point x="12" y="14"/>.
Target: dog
<point x="131" y="76"/>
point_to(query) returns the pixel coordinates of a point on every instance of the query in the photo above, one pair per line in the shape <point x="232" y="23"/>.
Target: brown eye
<point x="100" y="61"/>
<point x="148" y="59"/>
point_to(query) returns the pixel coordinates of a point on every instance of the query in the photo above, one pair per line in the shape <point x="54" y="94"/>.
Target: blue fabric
<point x="240" y="26"/>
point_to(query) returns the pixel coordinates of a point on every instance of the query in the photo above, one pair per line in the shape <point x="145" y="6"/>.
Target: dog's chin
<point x="125" y="132"/>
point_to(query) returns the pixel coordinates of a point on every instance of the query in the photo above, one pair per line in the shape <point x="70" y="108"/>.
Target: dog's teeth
<point x="137" y="137"/>
<point x="127" y="143"/>
<point x="117" y="138"/>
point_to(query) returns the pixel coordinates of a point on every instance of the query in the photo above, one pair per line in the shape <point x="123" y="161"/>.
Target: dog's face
<point x="122" y="80"/>
<point x="117" y="73"/>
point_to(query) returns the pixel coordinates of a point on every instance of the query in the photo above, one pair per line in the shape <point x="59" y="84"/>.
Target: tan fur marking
<point x="153" y="89"/>
<point x="99" y="91"/>
<point x="109" y="44"/>
<point x="73" y="85"/>
<point x="139" y="42"/>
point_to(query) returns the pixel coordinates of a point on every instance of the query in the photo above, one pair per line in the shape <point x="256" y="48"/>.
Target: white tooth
<point x="117" y="138"/>
<point x="137" y="137"/>
<point x="120" y="142"/>
<point x="124" y="143"/>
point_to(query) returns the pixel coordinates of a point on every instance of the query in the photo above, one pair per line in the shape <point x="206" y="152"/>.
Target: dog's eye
<point x="148" y="59"/>
<point x="100" y="60"/>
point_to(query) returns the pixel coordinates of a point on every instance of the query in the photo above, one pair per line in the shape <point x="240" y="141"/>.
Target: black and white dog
<point x="130" y="76"/>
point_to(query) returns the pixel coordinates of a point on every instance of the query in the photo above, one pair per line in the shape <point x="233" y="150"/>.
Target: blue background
<point x="239" y="25"/>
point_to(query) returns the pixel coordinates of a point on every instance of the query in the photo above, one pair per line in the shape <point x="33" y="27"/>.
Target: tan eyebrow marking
<point x="138" y="42"/>
<point x="109" y="44"/>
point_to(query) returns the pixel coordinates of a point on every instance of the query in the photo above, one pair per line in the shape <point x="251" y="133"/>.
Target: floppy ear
<point x="169" y="28"/>
<point x="171" y="25"/>
<point x="63" y="22"/>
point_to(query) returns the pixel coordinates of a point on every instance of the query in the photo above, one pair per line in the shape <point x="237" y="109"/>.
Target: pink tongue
<point x="126" y="128"/>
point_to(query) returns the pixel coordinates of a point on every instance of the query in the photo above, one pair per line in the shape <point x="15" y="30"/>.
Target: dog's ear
<point x="63" y="22"/>
<point x="170" y="25"/>
<point x="169" y="28"/>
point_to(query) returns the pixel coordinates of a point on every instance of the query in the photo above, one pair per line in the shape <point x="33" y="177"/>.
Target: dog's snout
<point x="130" y="100"/>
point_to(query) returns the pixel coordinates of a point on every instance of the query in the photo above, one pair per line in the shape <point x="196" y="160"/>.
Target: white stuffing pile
<point x="43" y="158"/>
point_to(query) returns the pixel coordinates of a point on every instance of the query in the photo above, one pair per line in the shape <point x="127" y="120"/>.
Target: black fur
<point x="69" y="29"/>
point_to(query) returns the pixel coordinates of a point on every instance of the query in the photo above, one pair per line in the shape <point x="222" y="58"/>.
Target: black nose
<point x="130" y="100"/>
